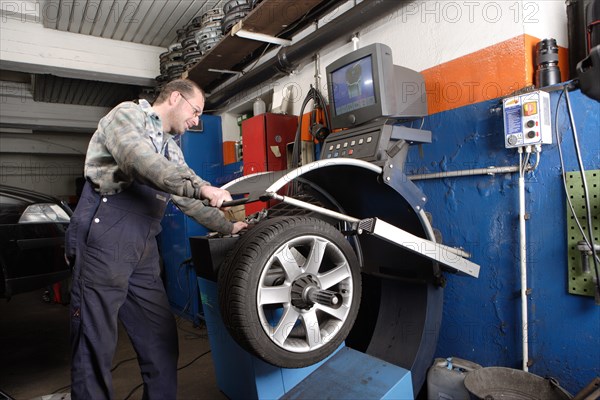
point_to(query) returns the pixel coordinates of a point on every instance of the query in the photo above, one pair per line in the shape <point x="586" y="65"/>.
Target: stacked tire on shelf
<point x="191" y="51"/>
<point x="172" y="64"/>
<point x="198" y="37"/>
<point x="210" y="32"/>
<point x="235" y="10"/>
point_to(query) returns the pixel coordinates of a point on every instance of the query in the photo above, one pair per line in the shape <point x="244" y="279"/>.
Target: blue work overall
<point x="117" y="276"/>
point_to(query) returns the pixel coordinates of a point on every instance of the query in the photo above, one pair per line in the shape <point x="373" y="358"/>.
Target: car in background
<point x="32" y="237"/>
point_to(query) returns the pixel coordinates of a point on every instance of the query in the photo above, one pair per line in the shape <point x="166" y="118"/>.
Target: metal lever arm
<point x="445" y="255"/>
<point x="236" y="202"/>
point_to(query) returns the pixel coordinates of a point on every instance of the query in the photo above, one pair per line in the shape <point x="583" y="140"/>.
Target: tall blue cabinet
<point x="203" y="152"/>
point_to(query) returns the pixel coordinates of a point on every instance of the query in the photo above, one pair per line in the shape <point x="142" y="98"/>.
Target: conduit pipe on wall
<point x="522" y="228"/>
<point x="523" y="264"/>
<point x="291" y="57"/>
<point x="471" y="172"/>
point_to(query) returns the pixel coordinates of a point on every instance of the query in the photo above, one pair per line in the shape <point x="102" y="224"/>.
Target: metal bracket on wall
<point x="580" y="264"/>
<point x="238" y="30"/>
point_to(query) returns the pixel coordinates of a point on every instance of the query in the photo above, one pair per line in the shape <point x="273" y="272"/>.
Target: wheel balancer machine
<point x="338" y="291"/>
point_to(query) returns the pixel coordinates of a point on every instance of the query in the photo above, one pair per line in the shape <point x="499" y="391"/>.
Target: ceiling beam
<point x="26" y="46"/>
<point x="35" y="143"/>
<point x="18" y="110"/>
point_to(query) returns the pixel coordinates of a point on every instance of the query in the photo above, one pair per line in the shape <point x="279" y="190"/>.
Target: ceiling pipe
<point x="292" y="57"/>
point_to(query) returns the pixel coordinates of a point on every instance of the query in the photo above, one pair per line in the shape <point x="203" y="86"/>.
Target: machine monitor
<point x="365" y="85"/>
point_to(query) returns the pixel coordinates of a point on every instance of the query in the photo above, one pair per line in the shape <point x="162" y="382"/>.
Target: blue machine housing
<point x="401" y="297"/>
<point x="204" y="154"/>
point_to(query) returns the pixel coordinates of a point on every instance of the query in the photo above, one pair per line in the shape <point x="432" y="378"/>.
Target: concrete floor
<point x="35" y="355"/>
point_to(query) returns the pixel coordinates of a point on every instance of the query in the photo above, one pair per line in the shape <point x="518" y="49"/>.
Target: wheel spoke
<point x="288" y="263"/>
<point x="274" y="295"/>
<point x="339" y="313"/>
<point x="335" y="276"/>
<point x="314" y="259"/>
<point x="285" y="325"/>
<point x="313" y="330"/>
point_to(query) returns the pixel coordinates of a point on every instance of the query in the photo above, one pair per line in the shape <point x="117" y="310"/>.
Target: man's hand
<point x="238" y="226"/>
<point x="216" y="196"/>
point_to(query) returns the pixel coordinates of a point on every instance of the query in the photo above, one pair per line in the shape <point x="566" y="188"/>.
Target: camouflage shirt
<point x="129" y="145"/>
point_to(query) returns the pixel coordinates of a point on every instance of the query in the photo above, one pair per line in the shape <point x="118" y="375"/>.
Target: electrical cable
<point x="538" y="156"/>
<point x="318" y="102"/>
<point x="325" y="109"/>
<point x="293" y="188"/>
<point x="190" y="334"/>
<point x="586" y="194"/>
<point x="564" y="180"/>
<point x="524" y="162"/>
<point x="562" y="165"/>
<point x="132" y="391"/>
<point x="257" y="59"/>
<point x="61" y="389"/>
<point x="194" y="360"/>
<point x="189" y="287"/>
<point x="117" y="365"/>
<point x="243" y="72"/>
<point x="585" y="188"/>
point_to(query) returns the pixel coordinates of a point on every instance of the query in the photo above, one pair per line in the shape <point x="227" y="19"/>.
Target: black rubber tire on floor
<point x="243" y="274"/>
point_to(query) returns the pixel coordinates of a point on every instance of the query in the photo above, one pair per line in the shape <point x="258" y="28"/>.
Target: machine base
<point x="350" y="374"/>
<point x="346" y="373"/>
<point x="239" y="374"/>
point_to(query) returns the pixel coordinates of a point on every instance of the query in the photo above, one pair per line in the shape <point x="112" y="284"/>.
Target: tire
<point x="270" y="260"/>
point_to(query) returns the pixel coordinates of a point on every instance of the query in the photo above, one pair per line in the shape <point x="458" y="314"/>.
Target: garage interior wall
<point x="470" y="52"/>
<point x="467" y="51"/>
<point x="482" y="317"/>
<point x="42" y="144"/>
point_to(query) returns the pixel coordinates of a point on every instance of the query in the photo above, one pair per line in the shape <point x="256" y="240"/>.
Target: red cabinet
<point x="265" y="138"/>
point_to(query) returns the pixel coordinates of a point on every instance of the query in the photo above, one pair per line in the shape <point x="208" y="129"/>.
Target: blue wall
<point x="482" y="317"/>
<point x="203" y="153"/>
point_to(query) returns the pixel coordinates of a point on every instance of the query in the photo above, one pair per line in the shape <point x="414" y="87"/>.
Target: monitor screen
<point x="365" y="86"/>
<point x="353" y="87"/>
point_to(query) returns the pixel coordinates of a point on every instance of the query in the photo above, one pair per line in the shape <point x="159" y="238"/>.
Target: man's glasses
<point x="197" y="112"/>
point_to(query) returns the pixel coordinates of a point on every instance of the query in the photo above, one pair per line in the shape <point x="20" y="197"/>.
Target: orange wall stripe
<point x="489" y="73"/>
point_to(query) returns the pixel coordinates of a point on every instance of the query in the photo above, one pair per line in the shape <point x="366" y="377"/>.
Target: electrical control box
<point x="527" y="119"/>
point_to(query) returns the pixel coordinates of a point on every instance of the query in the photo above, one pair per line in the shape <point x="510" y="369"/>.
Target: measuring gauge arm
<point x="264" y="186"/>
<point x="445" y="255"/>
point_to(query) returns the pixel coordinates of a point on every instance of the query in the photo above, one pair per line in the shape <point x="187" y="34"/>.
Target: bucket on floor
<point x="506" y="383"/>
<point x="445" y="378"/>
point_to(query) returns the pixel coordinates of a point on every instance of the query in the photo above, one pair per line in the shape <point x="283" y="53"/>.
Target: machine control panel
<point x="361" y="145"/>
<point x="527" y="119"/>
<point x="370" y="142"/>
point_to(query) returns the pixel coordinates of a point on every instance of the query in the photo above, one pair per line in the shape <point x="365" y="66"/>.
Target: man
<point x="132" y="167"/>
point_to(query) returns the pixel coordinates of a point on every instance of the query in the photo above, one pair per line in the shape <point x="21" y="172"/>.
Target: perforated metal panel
<point x="581" y="278"/>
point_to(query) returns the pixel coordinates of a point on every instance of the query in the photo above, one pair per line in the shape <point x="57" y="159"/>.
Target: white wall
<point x="26" y="46"/>
<point x="423" y="34"/>
<point x="47" y="151"/>
<point x="50" y="174"/>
